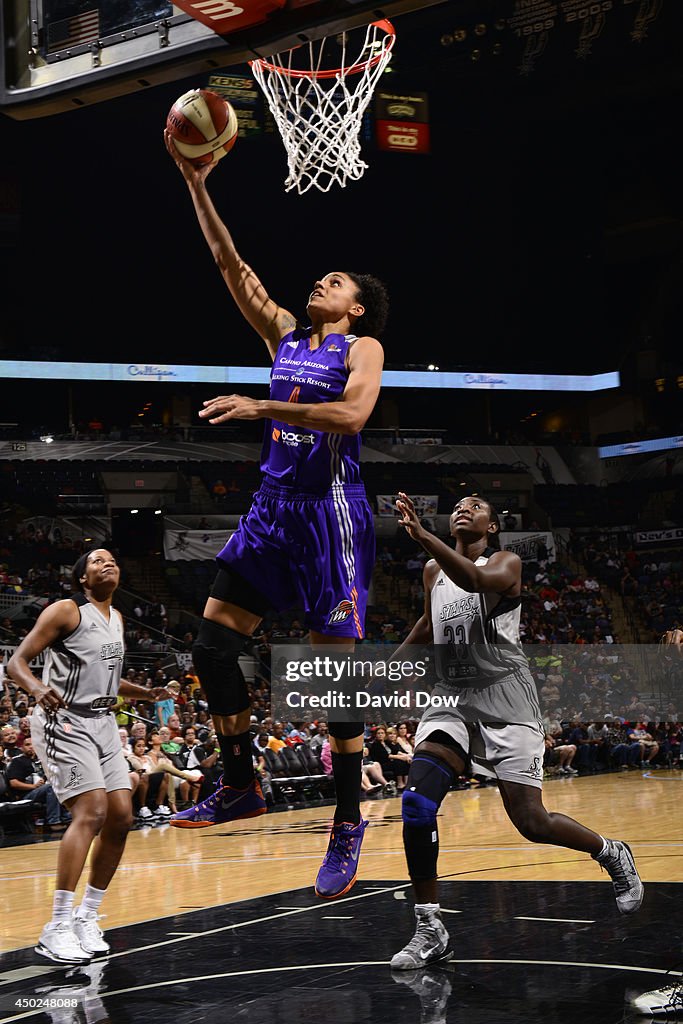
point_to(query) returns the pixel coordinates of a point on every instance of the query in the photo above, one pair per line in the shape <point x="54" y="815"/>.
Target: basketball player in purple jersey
<point x="308" y="538"/>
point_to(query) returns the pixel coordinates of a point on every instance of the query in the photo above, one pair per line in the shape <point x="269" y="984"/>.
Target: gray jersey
<point x="85" y="667"/>
<point x="476" y="635"/>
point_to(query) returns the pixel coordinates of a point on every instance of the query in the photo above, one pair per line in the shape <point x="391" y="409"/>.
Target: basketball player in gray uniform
<point x="472" y="607"/>
<point x="665" y="1003"/>
<point x="78" y="743"/>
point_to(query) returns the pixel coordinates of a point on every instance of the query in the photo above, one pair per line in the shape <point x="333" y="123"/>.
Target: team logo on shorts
<point x="534" y="770"/>
<point x="75" y="776"/>
<point x="340" y="613"/>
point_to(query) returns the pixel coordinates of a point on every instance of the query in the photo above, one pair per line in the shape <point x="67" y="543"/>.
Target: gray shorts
<point x="499" y="726"/>
<point x="79" y="754"/>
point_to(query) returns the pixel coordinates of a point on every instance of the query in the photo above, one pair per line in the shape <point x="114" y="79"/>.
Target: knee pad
<point x="429" y="779"/>
<point x="346" y="730"/>
<point x="215" y="654"/>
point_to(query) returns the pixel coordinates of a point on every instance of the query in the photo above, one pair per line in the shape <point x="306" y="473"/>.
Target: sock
<point x="91" y="901"/>
<point x="62" y="905"/>
<point x="427" y="908"/>
<point x="604" y="849"/>
<point x="238" y="764"/>
<point x="346" y="769"/>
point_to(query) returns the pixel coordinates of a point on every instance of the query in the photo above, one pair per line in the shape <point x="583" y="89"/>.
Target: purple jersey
<point x="310" y="461"/>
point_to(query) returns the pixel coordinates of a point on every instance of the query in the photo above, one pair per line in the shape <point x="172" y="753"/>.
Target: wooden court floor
<point x="167" y="871"/>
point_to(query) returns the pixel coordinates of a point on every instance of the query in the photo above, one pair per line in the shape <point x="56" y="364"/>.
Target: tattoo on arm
<point x="287" y="323"/>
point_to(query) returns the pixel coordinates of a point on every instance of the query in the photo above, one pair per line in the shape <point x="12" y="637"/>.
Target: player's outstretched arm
<point x="347" y="416"/>
<point x="268" y="319"/>
<point x="58" y="620"/>
<point x="501" y="574"/>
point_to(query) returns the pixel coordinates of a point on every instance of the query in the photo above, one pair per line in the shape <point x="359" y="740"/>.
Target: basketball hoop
<point x="319" y="110"/>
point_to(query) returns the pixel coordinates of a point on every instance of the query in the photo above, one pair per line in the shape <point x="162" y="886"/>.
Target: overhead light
<point x="133" y="511"/>
<point x="505" y="512"/>
<point x="157" y="511"/>
<point x="47" y="438"/>
<point x="432" y="367"/>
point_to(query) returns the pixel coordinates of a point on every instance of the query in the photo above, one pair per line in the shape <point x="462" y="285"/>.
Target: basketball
<point x="203" y="126"/>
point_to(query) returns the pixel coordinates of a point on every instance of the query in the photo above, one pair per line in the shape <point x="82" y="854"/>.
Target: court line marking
<point x="445" y="910"/>
<point x="229" y="927"/>
<point x="338" y="917"/>
<point x="154" y="865"/>
<point x="326" y="967"/>
<point x="561" y="920"/>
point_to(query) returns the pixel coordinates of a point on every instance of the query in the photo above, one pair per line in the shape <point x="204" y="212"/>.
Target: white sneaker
<point x="89" y="934"/>
<point x="194" y="775"/>
<point x="570" y="771"/>
<point x="661" y="1003"/>
<point x="145" y="814"/>
<point x="619" y="864"/>
<point x="163" y="811"/>
<point x="430" y="943"/>
<point x="60" y="943"/>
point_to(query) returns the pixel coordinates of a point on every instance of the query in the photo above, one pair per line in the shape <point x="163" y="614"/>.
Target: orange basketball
<point x="203" y="126"/>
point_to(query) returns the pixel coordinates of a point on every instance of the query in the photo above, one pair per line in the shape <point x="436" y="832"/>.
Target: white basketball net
<point x="319" y="113"/>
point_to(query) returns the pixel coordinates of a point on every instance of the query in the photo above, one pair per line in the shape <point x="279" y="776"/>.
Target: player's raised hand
<point x="408" y="517"/>
<point x="191" y="174"/>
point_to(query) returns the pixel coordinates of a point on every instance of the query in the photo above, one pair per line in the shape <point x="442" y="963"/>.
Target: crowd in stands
<point x="596" y="715"/>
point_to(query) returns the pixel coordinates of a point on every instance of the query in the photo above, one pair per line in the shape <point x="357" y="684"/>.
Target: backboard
<point x="58" y="55"/>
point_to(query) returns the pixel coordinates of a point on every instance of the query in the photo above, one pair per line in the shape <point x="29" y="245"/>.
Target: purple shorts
<point x="310" y="551"/>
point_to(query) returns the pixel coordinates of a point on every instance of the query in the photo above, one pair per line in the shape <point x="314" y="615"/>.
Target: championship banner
<point x="531" y="547"/>
<point x="425" y="504"/>
<point x="194" y="545"/>
<point x="659" y="536"/>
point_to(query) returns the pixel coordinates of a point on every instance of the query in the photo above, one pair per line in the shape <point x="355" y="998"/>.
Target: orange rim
<point x="355" y="69"/>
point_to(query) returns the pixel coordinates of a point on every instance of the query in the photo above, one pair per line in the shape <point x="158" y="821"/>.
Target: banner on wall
<point x="659" y="536"/>
<point x="7" y="650"/>
<point x="194" y="545"/>
<point x="531" y="547"/>
<point x="425" y="504"/>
